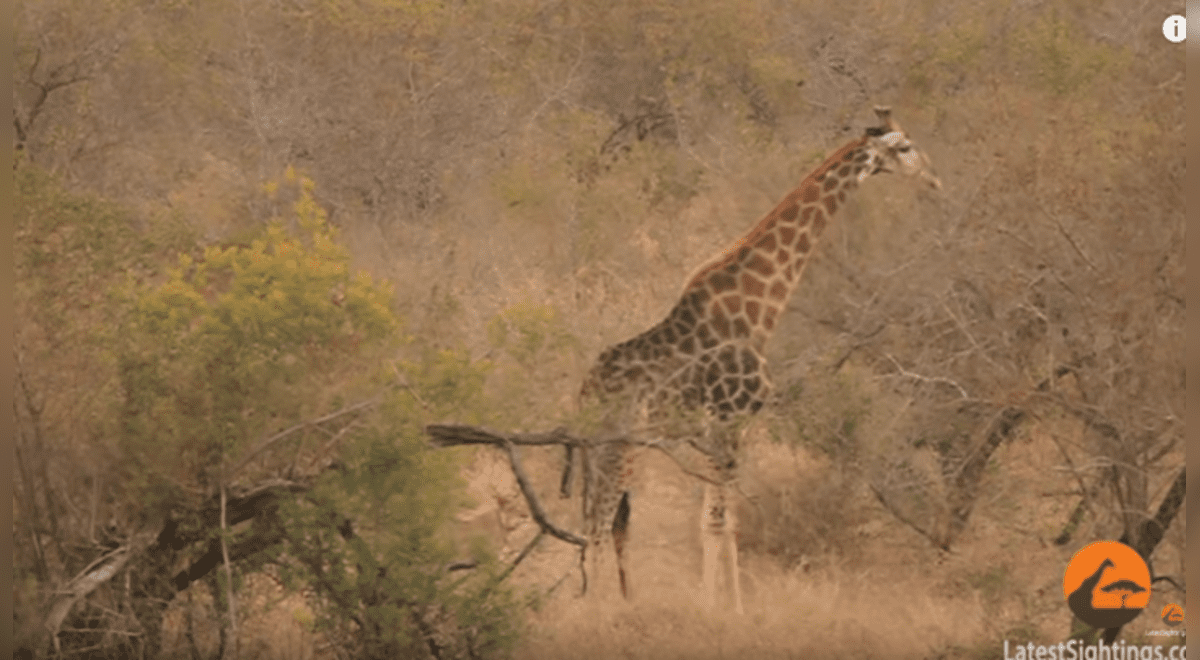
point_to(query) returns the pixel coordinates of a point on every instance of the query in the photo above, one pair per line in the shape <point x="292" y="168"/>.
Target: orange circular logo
<point x="1172" y="615"/>
<point x="1107" y="584"/>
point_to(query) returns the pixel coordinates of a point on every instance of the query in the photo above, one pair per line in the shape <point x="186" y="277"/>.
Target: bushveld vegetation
<point x="259" y="246"/>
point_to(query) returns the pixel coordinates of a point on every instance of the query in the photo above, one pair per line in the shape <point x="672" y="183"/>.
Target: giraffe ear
<point x="885" y="117"/>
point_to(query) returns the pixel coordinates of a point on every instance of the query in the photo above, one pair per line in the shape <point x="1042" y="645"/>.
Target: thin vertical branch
<point x="190" y="630"/>
<point x="232" y="649"/>
<point x="95" y="505"/>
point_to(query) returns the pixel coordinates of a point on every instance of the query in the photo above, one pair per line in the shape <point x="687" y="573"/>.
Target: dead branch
<point x="455" y="435"/>
<point x="568" y="476"/>
<point x="523" y="554"/>
<point x="691" y="473"/>
<point x="97" y="573"/>
<point x="535" y="505"/>
<point x="230" y="597"/>
<point x="879" y="495"/>
<point x="1063" y="230"/>
<point x="928" y="379"/>
<point x="966" y="483"/>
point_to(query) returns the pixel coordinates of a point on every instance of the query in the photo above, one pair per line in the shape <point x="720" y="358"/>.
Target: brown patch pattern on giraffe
<point x="720" y="281"/>
<point x="752" y="311"/>
<point x="760" y="265"/>
<point x="752" y="286"/>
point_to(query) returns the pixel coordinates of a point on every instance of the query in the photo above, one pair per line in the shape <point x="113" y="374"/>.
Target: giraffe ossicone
<point x="692" y="378"/>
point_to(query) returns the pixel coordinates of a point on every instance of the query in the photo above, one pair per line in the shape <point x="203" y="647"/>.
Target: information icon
<point x="1175" y="28"/>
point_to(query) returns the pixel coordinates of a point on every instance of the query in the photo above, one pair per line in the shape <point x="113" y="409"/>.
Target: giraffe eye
<point x="905" y="149"/>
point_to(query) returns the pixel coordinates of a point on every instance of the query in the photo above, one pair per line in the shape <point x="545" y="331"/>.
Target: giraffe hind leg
<point x="620" y="530"/>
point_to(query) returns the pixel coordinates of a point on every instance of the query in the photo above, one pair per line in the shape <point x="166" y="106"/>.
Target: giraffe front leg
<point x="719" y="536"/>
<point x="711" y="517"/>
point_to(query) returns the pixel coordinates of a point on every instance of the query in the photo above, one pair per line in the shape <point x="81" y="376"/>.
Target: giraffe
<point x="706" y="358"/>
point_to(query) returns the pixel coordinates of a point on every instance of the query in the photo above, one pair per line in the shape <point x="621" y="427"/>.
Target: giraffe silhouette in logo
<point x="1080" y="600"/>
<point x="692" y="378"/>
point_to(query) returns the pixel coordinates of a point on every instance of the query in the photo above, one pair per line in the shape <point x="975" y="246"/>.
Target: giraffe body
<point x="692" y="378"/>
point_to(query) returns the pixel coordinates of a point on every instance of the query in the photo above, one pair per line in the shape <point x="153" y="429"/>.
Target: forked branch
<point x="454" y="435"/>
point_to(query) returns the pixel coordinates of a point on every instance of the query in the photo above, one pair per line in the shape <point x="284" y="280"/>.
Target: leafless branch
<point x="523" y="554"/>
<point x="1074" y="245"/>
<point x="683" y="467"/>
<point x="230" y="597"/>
<point x="243" y="493"/>
<point x="454" y="435"/>
<point x="1017" y="237"/>
<point x="103" y="631"/>
<point x="927" y="379"/>
<point x="962" y="327"/>
<point x="1090" y="415"/>
<point x="905" y="519"/>
<point x="403" y="382"/>
<point x="535" y="505"/>
<point x="97" y="573"/>
<point x="269" y="442"/>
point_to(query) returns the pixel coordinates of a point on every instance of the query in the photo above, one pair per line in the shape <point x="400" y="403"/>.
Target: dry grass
<point x="828" y="613"/>
<point x="874" y="589"/>
<point x="865" y="587"/>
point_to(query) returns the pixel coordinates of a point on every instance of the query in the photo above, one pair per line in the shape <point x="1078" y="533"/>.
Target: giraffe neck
<point x="742" y="291"/>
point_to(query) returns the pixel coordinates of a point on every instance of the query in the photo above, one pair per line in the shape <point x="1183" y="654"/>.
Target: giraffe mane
<point x="809" y="187"/>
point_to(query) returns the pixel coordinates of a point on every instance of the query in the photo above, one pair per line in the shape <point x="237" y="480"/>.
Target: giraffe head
<point x="891" y="150"/>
